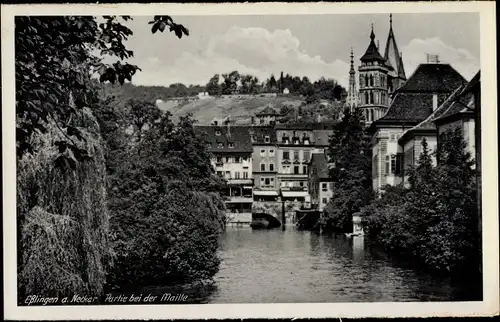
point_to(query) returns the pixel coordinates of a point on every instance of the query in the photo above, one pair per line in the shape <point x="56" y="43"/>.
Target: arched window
<point x="371" y="97"/>
<point x="371" y="115"/>
<point x="366" y="80"/>
<point x="366" y="98"/>
<point x="371" y="80"/>
<point x="366" y="115"/>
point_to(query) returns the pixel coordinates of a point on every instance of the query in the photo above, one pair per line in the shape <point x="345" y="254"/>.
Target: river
<point x="275" y="266"/>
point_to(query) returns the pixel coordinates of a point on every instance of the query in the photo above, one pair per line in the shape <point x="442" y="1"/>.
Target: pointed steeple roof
<point x="392" y="55"/>
<point x="372" y="53"/>
<point x="352" y="71"/>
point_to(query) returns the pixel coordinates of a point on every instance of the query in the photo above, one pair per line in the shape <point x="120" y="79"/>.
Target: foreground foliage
<point x="63" y="219"/>
<point x="434" y="221"/>
<point x="166" y="211"/>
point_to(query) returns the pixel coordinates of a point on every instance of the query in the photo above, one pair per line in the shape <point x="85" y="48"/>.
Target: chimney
<point x="434" y="101"/>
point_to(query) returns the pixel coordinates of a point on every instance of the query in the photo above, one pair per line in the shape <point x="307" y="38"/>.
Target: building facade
<point x="320" y="185"/>
<point x="264" y="163"/>
<point x="393" y="147"/>
<point x="231" y="148"/>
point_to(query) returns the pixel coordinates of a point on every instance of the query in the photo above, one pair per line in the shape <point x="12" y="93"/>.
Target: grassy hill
<point x="242" y="108"/>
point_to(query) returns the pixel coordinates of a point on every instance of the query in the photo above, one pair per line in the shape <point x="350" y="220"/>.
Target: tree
<point x="141" y="115"/>
<point x="230" y="84"/>
<point x="213" y="87"/>
<point x="54" y="62"/>
<point x="167" y="197"/>
<point x="351" y="153"/>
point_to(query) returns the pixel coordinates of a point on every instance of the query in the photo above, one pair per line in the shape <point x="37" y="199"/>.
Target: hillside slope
<point x="243" y="107"/>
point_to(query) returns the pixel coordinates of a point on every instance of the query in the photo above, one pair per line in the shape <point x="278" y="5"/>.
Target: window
<point x="286" y="140"/>
<point x="271" y="153"/>
<point x="218" y="160"/>
<point x="237" y="175"/>
<point x="267" y="181"/>
<point x="228" y="159"/>
<point x="296" y="169"/>
<point x="306" y="156"/>
<point x="371" y="115"/>
<point x="217" y="132"/>
<point x="262" y="153"/>
<point x="245" y="175"/>
<point x="231" y="145"/>
<point x="295" y="155"/>
<point x="306" y="141"/>
<point x="286" y="169"/>
<point x="262" y="167"/>
<point x="393" y="164"/>
<point x="272" y="179"/>
<point x="228" y="174"/>
<point x="399" y="163"/>
<point x="267" y="139"/>
<point x="237" y="159"/>
<point x="387" y="164"/>
<point x="221" y="145"/>
<point x="286" y="155"/>
<point x="301" y="183"/>
<point x="220" y="173"/>
<point x="366" y="98"/>
<point x="261" y="121"/>
<point x="271" y="167"/>
<point x="245" y="159"/>
<point x="371" y="80"/>
<point x="324" y="201"/>
<point x="324" y="186"/>
<point x="304" y="169"/>
<point x="371" y="97"/>
<point x="366" y="81"/>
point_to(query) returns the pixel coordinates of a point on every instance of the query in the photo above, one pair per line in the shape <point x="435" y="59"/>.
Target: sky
<point x="301" y="45"/>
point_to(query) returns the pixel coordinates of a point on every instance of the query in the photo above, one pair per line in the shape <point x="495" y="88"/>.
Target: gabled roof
<point x="320" y="162"/>
<point x="306" y="126"/>
<point x="372" y="53"/>
<point x="413" y="101"/>
<point x="460" y="104"/>
<point x="322" y="137"/>
<point x="259" y="134"/>
<point x="428" y="125"/>
<point x="268" y="110"/>
<point x="436" y="78"/>
<point x="238" y="136"/>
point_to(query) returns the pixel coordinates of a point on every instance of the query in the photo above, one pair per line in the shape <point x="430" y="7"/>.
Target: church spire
<point x="372" y="53"/>
<point x="352" y="94"/>
<point x="392" y="54"/>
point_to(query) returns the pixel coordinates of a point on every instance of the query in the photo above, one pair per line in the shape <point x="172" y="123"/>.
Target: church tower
<point x="352" y="94"/>
<point x="394" y="61"/>
<point x="373" y="83"/>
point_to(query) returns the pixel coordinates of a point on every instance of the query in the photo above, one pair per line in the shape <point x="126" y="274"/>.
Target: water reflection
<point x="275" y="266"/>
<point x="278" y="266"/>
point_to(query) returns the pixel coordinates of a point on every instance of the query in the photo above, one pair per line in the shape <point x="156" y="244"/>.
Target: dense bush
<point x="166" y="211"/>
<point x="434" y="221"/>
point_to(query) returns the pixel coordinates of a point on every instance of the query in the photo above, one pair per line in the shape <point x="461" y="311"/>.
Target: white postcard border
<point x="488" y="306"/>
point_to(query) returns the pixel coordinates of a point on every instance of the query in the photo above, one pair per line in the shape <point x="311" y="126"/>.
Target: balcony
<point x="240" y="181"/>
<point x="240" y="199"/>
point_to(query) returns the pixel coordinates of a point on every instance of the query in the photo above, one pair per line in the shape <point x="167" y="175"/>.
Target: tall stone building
<point x="379" y="77"/>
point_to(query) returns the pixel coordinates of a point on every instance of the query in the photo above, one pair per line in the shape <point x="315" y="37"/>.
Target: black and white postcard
<point x="278" y="160"/>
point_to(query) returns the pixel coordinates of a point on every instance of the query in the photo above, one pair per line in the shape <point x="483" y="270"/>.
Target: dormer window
<point x="306" y="140"/>
<point x="217" y="132"/>
<point x="221" y="145"/>
<point x="231" y="144"/>
<point x="286" y="140"/>
<point x="267" y="139"/>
